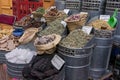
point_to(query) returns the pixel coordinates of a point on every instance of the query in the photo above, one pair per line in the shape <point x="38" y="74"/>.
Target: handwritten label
<point x="104" y="17"/>
<point x="57" y="62"/>
<point x="87" y="29"/>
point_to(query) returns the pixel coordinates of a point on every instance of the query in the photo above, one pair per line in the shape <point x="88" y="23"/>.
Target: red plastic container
<point x="21" y="8"/>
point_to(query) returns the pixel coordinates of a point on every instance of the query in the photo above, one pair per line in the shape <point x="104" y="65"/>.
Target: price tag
<point x="31" y="16"/>
<point x="43" y="19"/>
<point x="87" y="29"/>
<point x="66" y="11"/>
<point x="104" y="17"/>
<point x="64" y="23"/>
<point x="57" y="62"/>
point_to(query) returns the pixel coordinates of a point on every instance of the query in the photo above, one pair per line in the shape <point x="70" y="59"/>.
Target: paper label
<point x="87" y="29"/>
<point x="64" y="23"/>
<point x="104" y="17"/>
<point x="66" y="11"/>
<point x="31" y="16"/>
<point x="57" y="62"/>
<point x="43" y="19"/>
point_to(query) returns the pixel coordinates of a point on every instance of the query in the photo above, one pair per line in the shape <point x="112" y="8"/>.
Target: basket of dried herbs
<point x="76" y="21"/>
<point x="53" y="14"/>
<point x="47" y="43"/>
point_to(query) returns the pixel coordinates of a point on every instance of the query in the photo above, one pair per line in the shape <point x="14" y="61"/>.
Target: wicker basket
<point x="48" y="48"/>
<point x="28" y="35"/>
<point x="76" y="24"/>
<point x="52" y="18"/>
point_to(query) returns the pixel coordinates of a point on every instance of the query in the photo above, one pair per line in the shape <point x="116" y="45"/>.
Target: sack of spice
<point x="47" y="43"/>
<point x="76" y="21"/>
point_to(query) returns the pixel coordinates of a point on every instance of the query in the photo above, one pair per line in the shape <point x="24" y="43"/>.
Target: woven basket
<point x="52" y="18"/>
<point x="50" y="51"/>
<point x="28" y="35"/>
<point x="49" y="45"/>
<point x="48" y="48"/>
<point x="76" y="24"/>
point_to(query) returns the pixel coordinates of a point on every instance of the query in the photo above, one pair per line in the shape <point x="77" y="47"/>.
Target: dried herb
<point x="76" y="39"/>
<point x="54" y="27"/>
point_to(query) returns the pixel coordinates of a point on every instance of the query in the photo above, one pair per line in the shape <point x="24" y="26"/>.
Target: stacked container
<point x="94" y="7"/>
<point x="21" y="8"/>
<point x="73" y="5"/>
<point x="100" y="57"/>
<point x="111" y="5"/>
<point x="77" y="62"/>
<point x="60" y="4"/>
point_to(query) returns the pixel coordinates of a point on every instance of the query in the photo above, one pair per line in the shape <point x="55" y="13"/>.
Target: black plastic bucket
<point x="76" y="62"/>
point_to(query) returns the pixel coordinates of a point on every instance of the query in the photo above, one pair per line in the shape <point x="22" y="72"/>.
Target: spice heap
<point x="47" y="43"/>
<point x="25" y="21"/>
<point x="8" y="43"/>
<point x="52" y="12"/>
<point x="76" y="39"/>
<point x="54" y="27"/>
<point x="76" y="21"/>
<point x="100" y="24"/>
<point x="41" y="68"/>
<point x="38" y="13"/>
<point x="5" y="30"/>
<point x="45" y="39"/>
<point x="40" y="10"/>
<point x="103" y="33"/>
<point x="35" y="24"/>
<point x="78" y="17"/>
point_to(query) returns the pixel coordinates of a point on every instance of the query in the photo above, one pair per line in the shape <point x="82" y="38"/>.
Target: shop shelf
<point x="21" y="8"/>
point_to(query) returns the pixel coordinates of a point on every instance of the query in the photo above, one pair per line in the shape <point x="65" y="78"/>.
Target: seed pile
<point x="76" y="39"/>
<point x="54" y="27"/>
<point x="100" y="24"/>
<point x="103" y="33"/>
<point x="45" y="39"/>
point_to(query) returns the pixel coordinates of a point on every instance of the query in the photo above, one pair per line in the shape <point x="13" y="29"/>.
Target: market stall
<point x="51" y="44"/>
